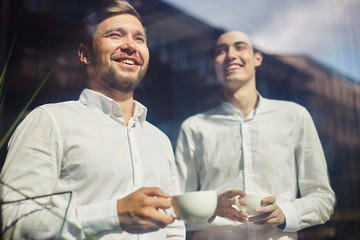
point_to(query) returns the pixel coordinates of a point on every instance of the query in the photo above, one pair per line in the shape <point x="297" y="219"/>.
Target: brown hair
<point x="103" y="10"/>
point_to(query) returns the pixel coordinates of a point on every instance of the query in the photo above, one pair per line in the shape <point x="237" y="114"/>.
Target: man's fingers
<point x="268" y="200"/>
<point x="233" y="193"/>
<point x="226" y="201"/>
<point x="265" y="209"/>
<point x="156" y="216"/>
<point x="233" y="214"/>
<point x="267" y="220"/>
<point x="145" y="219"/>
<point x="139" y="212"/>
<point x="272" y="218"/>
<point x="154" y="192"/>
<point x="155" y="198"/>
<point x="260" y="217"/>
<point x="239" y="216"/>
<point x="157" y="202"/>
<point x="242" y="202"/>
<point x="142" y="226"/>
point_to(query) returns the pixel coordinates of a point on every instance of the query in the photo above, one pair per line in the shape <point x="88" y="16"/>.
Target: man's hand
<point x="138" y="212"/>
<point x="270" y="213"/>
<point x="225" y="206"/>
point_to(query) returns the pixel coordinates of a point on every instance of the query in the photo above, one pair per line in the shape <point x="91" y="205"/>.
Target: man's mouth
<point x="232" y="67"/>
<point x="128" y="61"/>
<point x="131" y="61"/>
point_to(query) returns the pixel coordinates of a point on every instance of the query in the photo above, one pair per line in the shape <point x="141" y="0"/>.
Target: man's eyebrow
<point x="235" y="43"/>
<point x="140" y="33"/>
<point x="114" y="29"/>
<point x="121" y="30"/>
<point x="221" y="45"/>
<point x="240" y="43"/>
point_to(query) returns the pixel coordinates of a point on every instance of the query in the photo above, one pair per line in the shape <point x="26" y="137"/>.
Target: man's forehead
<point x="231" y="38"/>
<point x="122" y="20"/>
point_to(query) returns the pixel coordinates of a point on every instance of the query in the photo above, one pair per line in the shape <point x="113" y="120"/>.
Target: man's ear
<point x="258" y="58"/>
<point x="84" y="54"/>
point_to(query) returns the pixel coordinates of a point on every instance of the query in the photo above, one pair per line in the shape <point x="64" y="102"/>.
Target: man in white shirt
<point x="94" y="168"/>
<point x="250" y="144"/>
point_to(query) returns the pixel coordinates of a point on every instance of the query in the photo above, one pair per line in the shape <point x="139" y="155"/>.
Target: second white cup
<point x="254" y="201"/>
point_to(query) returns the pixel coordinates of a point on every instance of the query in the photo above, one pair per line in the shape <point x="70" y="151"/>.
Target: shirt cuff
<point x="282" y="226"/>
<point x="99" y="217"/>
<point x="291" y="218"/>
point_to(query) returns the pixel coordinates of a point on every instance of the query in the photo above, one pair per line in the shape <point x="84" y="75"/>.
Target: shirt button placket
<point x="135" y="158"/>
<point x="247" y="157"/>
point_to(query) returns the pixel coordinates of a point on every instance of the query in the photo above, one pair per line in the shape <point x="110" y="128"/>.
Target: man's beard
<point x="126" y="85"/>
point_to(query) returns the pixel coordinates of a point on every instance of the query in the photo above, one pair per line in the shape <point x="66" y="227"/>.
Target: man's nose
<point x="128" y="45"/>
<point x="231" y="53"/>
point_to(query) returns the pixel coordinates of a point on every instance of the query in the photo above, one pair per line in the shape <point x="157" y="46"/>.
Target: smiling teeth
<point x="128" y="61"/>
<point x="232" y="67"/>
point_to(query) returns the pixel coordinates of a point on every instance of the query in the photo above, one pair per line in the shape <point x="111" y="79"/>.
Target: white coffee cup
<point x="253" y="200"/>
<point x="195" y="206"/>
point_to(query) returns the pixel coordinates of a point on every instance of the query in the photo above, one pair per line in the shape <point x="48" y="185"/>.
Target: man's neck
<point x="127" y="108"/>
<point x="244" y="98"/>
<point x="125" y="100"/>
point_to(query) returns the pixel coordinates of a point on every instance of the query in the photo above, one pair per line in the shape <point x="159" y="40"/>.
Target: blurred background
<point x="311" y="56"/>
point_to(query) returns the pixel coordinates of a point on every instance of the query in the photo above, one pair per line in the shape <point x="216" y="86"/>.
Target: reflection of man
<point x="99" y="152"/>
<point x="251" y="144"/>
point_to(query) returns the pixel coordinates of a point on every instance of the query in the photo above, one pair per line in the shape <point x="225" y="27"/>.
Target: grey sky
<point x="326" y="30"/>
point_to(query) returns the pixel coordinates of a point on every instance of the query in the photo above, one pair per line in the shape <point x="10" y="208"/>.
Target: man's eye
<point x="140" y="39"/>
<point x="219" y="51"/>
<point x="240" y="47"/>
<point x="114" y="35"/>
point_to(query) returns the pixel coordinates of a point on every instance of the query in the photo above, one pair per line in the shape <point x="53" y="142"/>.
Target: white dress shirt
<point x="83" y="147"/>
<point x="274" y="151"/>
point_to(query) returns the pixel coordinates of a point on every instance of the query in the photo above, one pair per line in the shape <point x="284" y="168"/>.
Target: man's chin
<point x="234" y="82"/>
<point x="236" y="78"/>
<point x="126" y="85"/>
<point x="123" y="82"/>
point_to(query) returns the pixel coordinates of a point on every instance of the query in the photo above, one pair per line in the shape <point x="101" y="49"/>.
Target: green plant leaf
<point x="7" y="134"/>
<point x="33" y="199"/>
<point x="2" y="77"/>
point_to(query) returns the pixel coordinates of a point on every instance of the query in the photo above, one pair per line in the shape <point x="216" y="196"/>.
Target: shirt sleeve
<point x="31" y="170"/>
<point x="185" y="161"/>
<point x="317" y="200"/>
<point x="175" y="230"/>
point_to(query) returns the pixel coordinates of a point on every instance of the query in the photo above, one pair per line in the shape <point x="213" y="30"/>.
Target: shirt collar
<point x="227" y="107"/>
<point x="110" y="107"/>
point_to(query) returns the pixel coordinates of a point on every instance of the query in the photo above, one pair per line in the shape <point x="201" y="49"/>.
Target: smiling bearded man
<point x="96" y="162"/>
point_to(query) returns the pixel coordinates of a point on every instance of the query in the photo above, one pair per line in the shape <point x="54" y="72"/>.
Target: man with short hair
<point x="250" y="144"/>
<point x="94" y="168"/>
